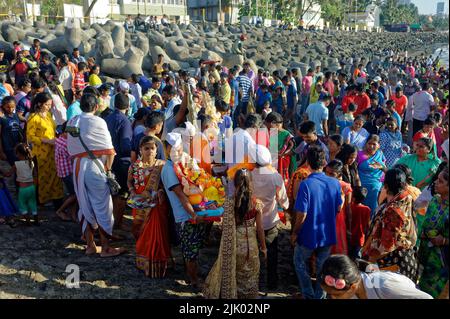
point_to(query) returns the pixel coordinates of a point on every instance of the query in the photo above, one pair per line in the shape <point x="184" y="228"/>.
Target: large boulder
<point x="210" y="55"/>
<point x="156" y="38"/>
<point x="104" y="47"/>
<point x="177" y="53"/>
<point x="118" y="37"/>
<point x="14" y="34"/>
<point x="142" y="43"/>
<point x="156" y="50"/>
<point x="129" y="64"/>
<point x="73" y="34"/>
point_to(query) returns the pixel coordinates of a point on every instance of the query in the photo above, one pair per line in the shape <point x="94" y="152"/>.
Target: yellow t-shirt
<point x="225" y="93"/>
<point x="94" y="80"/>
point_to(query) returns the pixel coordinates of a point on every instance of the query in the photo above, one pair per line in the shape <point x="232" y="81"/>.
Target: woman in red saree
<point x="343" y="218"/>
<point x="150" y="225"/>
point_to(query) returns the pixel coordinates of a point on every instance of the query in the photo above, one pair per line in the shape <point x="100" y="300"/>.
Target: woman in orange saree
<point x="150" y="225"/>
<point x="343" y="218"/>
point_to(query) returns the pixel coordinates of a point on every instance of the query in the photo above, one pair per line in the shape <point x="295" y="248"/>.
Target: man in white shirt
<point x="268" y="186"/>
<point x="66" y="80"/>
<point x="420" y="105"/>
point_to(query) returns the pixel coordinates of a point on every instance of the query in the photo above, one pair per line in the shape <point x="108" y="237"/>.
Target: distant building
<point x="313" y="16"/>
<point x="208" y="10"/>
<point x="173" y="8"/>
<point x="440" y="8"/>
<point x="106" y="8"/>
<point x="369" y="18"/>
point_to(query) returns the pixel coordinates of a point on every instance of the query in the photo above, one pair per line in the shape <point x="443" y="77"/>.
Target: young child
<point x="64" y="171"/>
<point x="153" y="127"/>
<point x="139" y="120"/>
<point x="24" y="169"/>
<point x="11" y="133"/>
<point x="17" y="48"/>
<point x="439" y="132"/>
<point x="443" y="106"/>
<point x="344" y="120"/>
<point x="343" y="218"/>
<point x="266" y="110"/>
<point x="359" y="223"/>
<point x="7" y="206"/>
<point x="427" y="131"/>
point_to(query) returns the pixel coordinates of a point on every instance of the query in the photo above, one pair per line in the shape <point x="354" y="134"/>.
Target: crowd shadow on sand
<point x="34" y="260"/>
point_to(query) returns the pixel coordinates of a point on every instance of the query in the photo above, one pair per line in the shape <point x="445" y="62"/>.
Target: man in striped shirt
<point x="79" y="83"/>
<point x="245" y="89"/>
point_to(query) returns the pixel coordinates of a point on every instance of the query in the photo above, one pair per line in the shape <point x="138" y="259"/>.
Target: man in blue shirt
<point x="317" y="204"/>
<point x="121" y="134"/>
<point x="307" y="132"/>
<point x="374" y="90"/>
<point x="318" y="113"/>
<point x="145" y="83"/>
<point x="262" y="97"/>
<point x="190" y="228"/>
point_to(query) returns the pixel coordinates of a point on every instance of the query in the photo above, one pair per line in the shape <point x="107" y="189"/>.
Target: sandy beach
<point x="33" y="261"/>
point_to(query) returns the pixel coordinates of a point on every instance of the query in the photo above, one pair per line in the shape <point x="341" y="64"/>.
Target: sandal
<point x="117" y="252"/>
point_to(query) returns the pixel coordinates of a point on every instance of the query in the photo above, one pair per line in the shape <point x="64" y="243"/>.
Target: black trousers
<point x="417" y="126"/>
<point x="272" y="257"/>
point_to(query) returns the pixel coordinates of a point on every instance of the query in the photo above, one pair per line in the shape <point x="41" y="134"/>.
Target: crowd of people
<point x="140" y="23"/>
<point x="356" y="161"/>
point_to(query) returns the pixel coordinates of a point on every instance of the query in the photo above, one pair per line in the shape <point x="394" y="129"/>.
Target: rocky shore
<point x="120" y="53"/>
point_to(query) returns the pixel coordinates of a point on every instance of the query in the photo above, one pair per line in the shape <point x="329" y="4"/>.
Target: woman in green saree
<point x="281" y="141"/>
<point x="433" y="251"/>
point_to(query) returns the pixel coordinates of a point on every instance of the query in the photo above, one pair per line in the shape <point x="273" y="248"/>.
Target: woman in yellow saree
<point x="236" y="271"/>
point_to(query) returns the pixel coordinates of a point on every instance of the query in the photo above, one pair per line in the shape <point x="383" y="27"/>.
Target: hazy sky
<point x="429" y="6"/>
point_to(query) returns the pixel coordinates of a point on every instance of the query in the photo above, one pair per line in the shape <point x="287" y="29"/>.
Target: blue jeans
<point x="301" y="256"/>
<point x="304" y="103"/>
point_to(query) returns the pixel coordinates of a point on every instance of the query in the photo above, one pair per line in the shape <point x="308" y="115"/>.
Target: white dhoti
<point x="93" y="194"/>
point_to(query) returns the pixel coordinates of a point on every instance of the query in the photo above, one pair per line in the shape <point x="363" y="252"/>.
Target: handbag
<point x="114" y="186"/>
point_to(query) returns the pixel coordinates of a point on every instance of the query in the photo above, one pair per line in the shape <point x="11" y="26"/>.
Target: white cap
<point x="377" y="79"/>
<point x="260" y="155"/>
<point x="124" y="86"/>
<point x="174" y="139"/>
<point x="416" y="81"/>
<point x="190" y="129"/>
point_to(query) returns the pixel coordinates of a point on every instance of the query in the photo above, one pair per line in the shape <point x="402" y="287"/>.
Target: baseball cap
<point x="377" y="79"/>
<point x="124" y="86"/>
<point x="174" y="139"/>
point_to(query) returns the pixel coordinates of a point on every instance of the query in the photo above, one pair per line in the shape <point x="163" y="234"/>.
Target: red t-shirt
<point x="360" y="224"/>
<point x="363" y="103"/>
<point x="346" y="102"/>
<point x="421" y="134"/>
<point x="400" y="104"/>
<point x="20" y="69"/>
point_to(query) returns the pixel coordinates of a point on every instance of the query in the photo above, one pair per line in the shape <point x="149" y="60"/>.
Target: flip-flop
<point x="98" y="250"/>
<point x="120" y="252"/>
